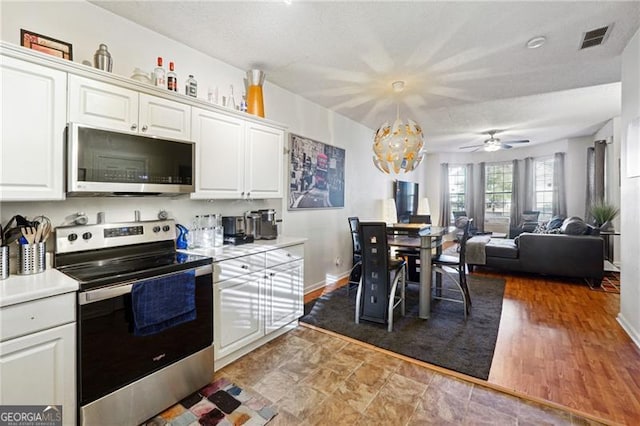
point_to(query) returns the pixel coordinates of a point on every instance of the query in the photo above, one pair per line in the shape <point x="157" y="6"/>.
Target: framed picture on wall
<point x="46" y="44"/>
<point x="316" y="174"/>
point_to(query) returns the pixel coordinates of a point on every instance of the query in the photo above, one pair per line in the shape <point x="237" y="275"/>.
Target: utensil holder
<point x="4" y="262"/>
<point x="32" y="258"/>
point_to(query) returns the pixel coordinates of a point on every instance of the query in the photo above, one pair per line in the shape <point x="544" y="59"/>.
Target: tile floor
<point x="317" y="379"/>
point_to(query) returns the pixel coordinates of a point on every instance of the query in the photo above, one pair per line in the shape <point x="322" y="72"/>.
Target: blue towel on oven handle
<point x="162" y="303"/>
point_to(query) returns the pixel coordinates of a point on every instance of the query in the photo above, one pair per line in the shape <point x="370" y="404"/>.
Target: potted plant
<point x="603" y="213"/>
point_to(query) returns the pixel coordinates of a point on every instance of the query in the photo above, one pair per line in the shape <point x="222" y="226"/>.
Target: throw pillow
<point x="555" y="222"/>
<point x="541" y="228"/>
<point x="528" y="217"/>
<point x="574" y="226"/>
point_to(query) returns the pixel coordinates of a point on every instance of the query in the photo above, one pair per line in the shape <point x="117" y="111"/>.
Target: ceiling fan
<point x="494" y="144"/>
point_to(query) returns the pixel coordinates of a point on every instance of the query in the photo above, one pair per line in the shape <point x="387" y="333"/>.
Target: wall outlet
<point x="338" y="261"/>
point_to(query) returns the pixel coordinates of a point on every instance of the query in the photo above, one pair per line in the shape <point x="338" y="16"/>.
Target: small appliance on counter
<point x="234" y="230"/>
<point x="252" y="224"/>
<point x="268" y="225"/>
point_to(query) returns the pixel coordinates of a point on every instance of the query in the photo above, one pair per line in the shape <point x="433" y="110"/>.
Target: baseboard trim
<point x="626" y="326"/>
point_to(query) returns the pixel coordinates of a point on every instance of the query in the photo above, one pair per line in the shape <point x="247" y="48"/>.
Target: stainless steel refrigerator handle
<point x="125" y="287"/>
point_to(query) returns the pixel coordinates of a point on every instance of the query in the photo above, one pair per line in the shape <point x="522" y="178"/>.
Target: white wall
<point x="629" y="316"/>
<point x="86" y="26"/>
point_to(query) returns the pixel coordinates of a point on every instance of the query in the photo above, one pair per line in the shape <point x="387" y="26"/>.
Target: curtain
<point x="591" y="184"/>
<point x="600" y="149"/>
<point x="445" y="205"/>
<point x="528" y="193"/>
<point x="478" y="219"/>
<point x="516" y="195"/>
<point x="559" y="198"/>
<point x="469" y="193"/>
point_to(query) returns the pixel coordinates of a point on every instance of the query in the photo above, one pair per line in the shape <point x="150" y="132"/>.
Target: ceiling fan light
<point x="491" y="147"/>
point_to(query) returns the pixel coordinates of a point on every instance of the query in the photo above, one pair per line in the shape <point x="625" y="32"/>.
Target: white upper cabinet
<point x="108" y="106"/>
<point x="236" y="158"/>
<point x="219" y="155"/>
<point x="34" y="106"/>
<point x="264" y="161"/>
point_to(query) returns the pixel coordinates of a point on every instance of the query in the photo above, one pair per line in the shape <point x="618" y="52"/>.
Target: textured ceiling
<point x="465" y="63"/>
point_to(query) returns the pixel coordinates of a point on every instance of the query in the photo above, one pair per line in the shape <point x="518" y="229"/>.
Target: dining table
<point x="424" y="237"/>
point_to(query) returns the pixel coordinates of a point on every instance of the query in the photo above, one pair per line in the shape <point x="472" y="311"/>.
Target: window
<point x="457" y="185"/>
<point x="543" y="178"/>
<point x="498" y="180"/>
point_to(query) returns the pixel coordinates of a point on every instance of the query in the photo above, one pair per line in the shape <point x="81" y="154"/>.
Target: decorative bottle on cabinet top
<point x="191" y="87"/>
<point x="102" y="58"/>
<point x="159" y="75"/>
<point x="172" y="79"/>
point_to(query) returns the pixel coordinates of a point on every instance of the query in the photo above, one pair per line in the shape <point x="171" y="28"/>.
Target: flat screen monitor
<point x="406" y="195"/>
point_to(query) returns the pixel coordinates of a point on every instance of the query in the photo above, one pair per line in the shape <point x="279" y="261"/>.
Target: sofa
<point x="557" y="254"/>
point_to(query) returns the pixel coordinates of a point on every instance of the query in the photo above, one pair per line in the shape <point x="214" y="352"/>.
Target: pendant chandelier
<point x="398" y="147"/>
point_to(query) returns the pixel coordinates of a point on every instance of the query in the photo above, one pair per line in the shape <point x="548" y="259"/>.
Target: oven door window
<point x="111" y="356"/>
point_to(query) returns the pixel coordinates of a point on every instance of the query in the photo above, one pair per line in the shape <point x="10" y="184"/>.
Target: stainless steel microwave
<point x="103" y="162"/>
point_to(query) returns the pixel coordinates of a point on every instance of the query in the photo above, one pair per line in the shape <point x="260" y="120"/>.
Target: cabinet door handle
<point x="272" y="274"/>
<point x="242" y="193"/>
<point x="244" y="267"/>
<point x="248" y="194"/>
<point x="134" y="126"/>
<point x="144" y="128"/>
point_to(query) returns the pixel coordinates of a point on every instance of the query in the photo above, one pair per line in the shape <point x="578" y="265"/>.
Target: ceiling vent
<point x="595" y="37"/>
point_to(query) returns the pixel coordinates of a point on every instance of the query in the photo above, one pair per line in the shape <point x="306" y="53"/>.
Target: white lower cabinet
<point x="283" y="295"/>
<point x="238" y="313"/>
<point x="39" y="369"/>
<point x="256" y="298"/>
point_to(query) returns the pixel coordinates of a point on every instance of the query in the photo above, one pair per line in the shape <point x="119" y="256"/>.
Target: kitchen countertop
<point x="226" y="252"/>
<point x="24" y="288"/>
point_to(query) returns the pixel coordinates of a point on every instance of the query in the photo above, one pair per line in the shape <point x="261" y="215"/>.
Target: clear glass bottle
<point x="231" y="101"/>
<point x="172" y="79"/>
<point x="191" y="87"/>
<point x="159" y="75"/>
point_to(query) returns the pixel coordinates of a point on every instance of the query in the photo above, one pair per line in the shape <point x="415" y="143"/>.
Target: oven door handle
<point x="125" y="287"/>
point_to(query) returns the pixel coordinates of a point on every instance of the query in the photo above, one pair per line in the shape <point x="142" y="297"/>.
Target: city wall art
<point x="316" y="174"/>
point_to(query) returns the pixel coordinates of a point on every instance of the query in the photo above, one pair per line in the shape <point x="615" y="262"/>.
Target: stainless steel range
<point x="145" y="319"/>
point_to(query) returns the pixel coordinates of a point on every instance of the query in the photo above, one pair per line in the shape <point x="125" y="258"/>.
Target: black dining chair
<point x="455" y="268"/>
<point x="412" y="256"/>
<point x="356" y="265"/>
<point x="377" y="296"/>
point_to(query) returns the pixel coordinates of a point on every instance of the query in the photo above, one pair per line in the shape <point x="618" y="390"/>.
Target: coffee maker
<point x="234" y="230"/>
<point x="268" y="226"/>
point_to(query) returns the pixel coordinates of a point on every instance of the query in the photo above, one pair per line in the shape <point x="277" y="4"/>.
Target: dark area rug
<point x="446" y="339"/>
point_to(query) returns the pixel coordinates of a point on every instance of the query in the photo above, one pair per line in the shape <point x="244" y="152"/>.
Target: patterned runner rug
<point x="219" y="403"/>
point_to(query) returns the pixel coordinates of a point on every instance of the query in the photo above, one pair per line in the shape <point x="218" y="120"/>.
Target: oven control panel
<point x="124" y="231"/>
<point x="70" y="239"/>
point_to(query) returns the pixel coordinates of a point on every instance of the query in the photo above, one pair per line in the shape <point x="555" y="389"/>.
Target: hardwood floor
<point x="560" y="341"/>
